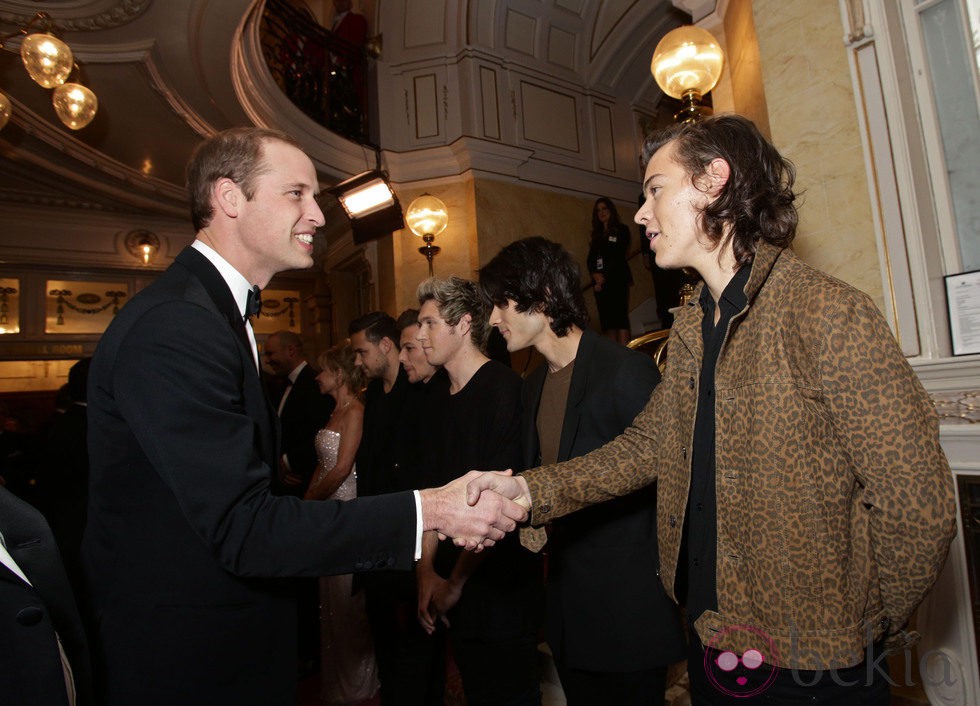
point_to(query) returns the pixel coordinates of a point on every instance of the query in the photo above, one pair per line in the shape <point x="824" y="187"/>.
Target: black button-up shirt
<point x="701" y="524"/>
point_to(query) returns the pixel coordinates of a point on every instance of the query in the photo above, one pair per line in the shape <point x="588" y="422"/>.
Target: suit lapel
<point x="576" y="392"/>
<point x="214" y="284"/>
<point x="219" y="292"/>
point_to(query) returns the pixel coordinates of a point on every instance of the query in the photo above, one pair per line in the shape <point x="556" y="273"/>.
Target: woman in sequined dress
<point x="348" y="673"/>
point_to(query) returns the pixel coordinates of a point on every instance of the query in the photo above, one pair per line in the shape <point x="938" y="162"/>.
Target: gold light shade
<point x="687" y="59"/>
<point x="4" y="109"/>
<point x="75" y="105"/>
<point x="427" y="215"/>
<point x="47" y="59"/>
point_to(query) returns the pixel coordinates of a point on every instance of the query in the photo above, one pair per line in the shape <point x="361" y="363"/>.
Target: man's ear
<point x="385" y="344"/>
<point x="464" y="324"/>
<point x="715" y="176"/>
<point x="227" y="196"/>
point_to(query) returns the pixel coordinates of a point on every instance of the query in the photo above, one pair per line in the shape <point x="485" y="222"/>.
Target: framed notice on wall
<point x="963" y="300"/>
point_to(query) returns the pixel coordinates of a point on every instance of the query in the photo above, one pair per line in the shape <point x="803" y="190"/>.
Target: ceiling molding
<point x="163" y="197"/>
<point x="143" y="52"/>
<point x="89" y="16"/>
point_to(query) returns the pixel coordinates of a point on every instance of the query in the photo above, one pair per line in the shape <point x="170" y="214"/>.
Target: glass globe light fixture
<point x="75" y="105"/>
<point x="47" y="59"/>
<point x="427" y="217"/>
<point x="687" y="64"/>
<point x="4" y="109"/>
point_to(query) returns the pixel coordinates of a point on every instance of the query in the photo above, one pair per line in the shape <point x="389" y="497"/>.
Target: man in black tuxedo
<point x="185" y="547"/>
<point x="302" y="409"/>
<point x="43" y="651"/>
<point x="610" y="625"/>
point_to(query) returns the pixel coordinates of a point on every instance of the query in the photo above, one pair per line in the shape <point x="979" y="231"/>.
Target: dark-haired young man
<point x="374" y="338"/>
<point x="804" y="503"/>
<point x="611" y="628"/>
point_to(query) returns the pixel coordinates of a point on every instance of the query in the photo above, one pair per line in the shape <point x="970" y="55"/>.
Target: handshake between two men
<point x="478" y="509"/>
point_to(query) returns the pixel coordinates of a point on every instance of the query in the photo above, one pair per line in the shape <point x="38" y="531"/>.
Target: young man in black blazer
<point x="611" y="627"/>
<point x="185" y="547"/>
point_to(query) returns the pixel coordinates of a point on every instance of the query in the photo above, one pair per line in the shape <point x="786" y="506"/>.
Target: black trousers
<point x="641" y="688"/>
<point x="502" y="671"/>
<point x="411" y="663"/>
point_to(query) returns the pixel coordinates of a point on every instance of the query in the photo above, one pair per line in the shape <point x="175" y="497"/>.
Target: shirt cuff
<point x="418" y="524"/>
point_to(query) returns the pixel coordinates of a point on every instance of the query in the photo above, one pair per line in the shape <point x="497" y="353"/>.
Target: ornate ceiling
<point x="170" y="71"/>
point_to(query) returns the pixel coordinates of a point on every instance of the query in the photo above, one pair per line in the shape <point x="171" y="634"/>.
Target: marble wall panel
<point x="814" y="123"/>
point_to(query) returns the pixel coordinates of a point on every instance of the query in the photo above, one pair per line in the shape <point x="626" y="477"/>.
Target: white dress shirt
<point x="238" y="285"/>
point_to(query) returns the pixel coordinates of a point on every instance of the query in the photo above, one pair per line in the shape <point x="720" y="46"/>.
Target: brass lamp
<point x="49" y="62"/>
<point x="427" y="217"/>
<point x="47" y="59"/>
<point x="686" y="65"/>
<point x="143" y="245"/>
<point x="75" y="105"/>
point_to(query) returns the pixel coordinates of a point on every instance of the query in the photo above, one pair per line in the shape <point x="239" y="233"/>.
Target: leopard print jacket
<point x="835" y="500"/>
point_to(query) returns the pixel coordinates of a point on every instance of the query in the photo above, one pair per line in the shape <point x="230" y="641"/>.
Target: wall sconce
<point x="686" y="65"/>
<point x="143" y="245"/>
<point x="427" y="217"/>
<point x="370" y="204"/>
<point x="50" y="62"/>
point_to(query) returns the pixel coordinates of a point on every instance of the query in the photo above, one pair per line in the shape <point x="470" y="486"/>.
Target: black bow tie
<point x="253" y="302"/>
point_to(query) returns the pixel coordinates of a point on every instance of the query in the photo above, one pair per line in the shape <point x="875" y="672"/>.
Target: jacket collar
<point x="765" y="258"/>
<point x="688" y="323"/>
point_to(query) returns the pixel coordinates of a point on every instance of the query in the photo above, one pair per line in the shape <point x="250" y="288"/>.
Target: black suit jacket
<point x="606" y="608"/>
<point x="304" y="413"/>
<point x="30" y="614"/>
<point x="185" y="547"/>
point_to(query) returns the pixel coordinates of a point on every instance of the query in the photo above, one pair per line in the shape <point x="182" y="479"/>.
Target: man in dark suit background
<point x="302" y="410"/>
<point x="611" y="627"/>
<point x="44" y="658"/>
<point x="63" y="473"/>
<point x="185" y="547"/>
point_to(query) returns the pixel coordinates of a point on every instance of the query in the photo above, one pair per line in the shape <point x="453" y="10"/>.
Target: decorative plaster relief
<point x="576" y="6"/>
<point x="426" y="106"/>
<point x="491" y="111"/>
<point x="92" y="17"/>
<point x="425" y="23"/>
<point x="519" y="32"/>
<point x="609" y="14"/>
<point x="561" y="47"/>
<point x="550" y="117"/>
<point x="604" y="143"/>
<point x="697" y="9"/>
<point x="857" y="25"/>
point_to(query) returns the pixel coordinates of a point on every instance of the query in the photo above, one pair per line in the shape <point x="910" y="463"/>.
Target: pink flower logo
<point x="731" y="673"/>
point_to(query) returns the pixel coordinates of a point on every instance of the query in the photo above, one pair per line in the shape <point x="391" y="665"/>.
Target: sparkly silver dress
<point x="348" y="672"/>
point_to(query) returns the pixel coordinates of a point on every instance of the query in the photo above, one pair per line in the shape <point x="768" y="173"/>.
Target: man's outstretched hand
<point x="498" y="483"/>
<point x="471" y="524"/>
